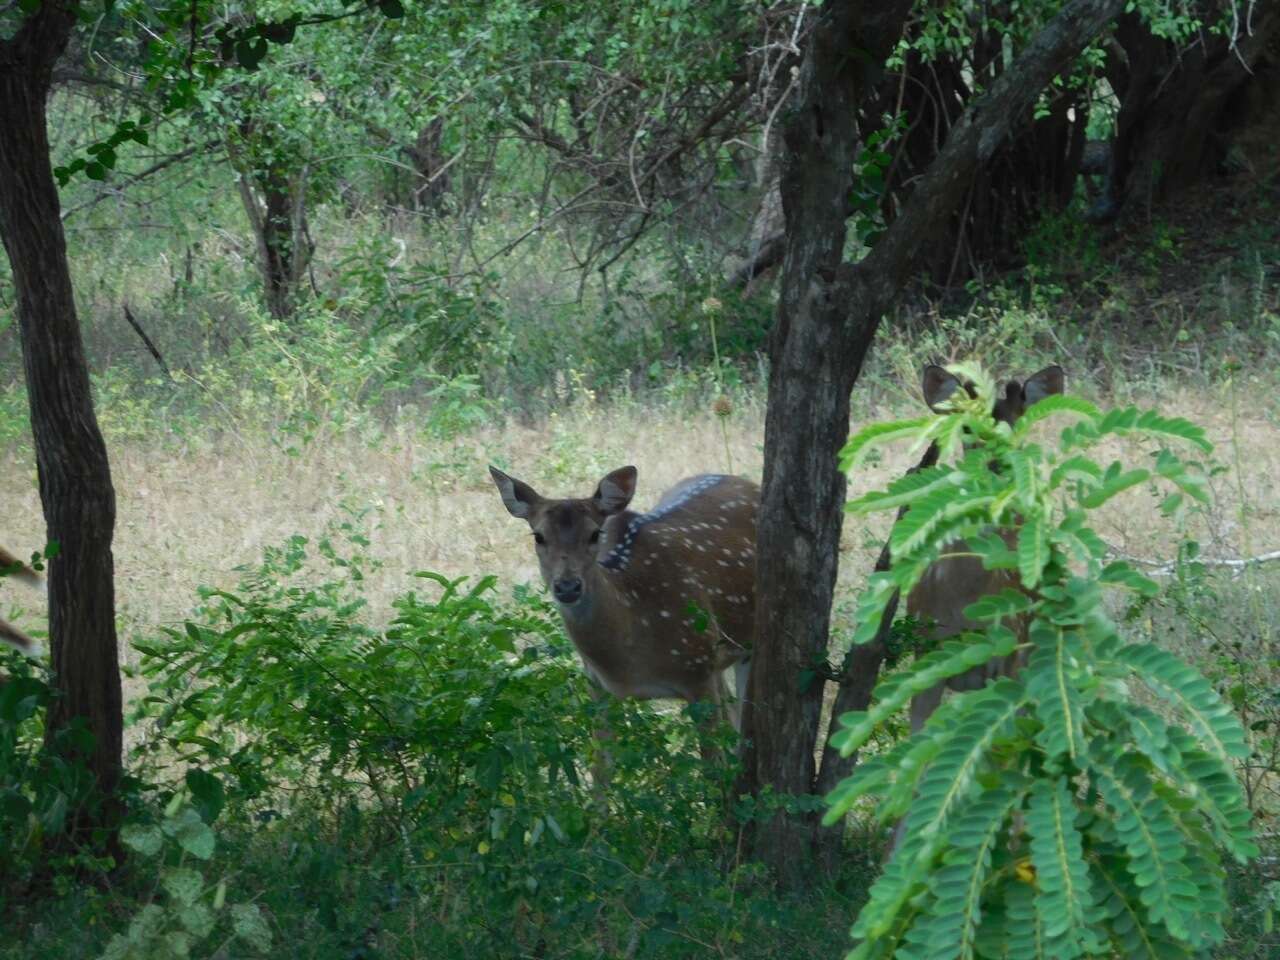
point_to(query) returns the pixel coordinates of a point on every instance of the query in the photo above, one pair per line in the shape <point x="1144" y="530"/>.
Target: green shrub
<point x="460" y="738"/>
<point x="1053" y="813"/>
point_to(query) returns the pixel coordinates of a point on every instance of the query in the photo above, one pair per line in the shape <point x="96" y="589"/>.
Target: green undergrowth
<point x="308" y="786"/>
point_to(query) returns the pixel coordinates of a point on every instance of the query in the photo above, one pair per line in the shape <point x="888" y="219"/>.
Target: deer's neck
<point x="599" y="624"/>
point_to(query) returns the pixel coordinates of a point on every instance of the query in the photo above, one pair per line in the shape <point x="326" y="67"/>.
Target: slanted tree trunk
<point x="826" y="318"/>
<point x="71" y="458"/>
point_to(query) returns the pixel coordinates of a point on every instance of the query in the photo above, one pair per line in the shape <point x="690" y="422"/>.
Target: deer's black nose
<point x="567" y="591"/>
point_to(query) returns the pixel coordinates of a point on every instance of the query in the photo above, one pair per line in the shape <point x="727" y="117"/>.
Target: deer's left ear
<point x="937" y="385"/>
<point x="615" y="491"/>
<point x="1045" y="383"/>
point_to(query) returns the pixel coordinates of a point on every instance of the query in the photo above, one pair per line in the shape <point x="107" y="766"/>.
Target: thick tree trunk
<point x="75" y="477"/>
<point x="816" y="354"/>
<point x="826" y="318"/>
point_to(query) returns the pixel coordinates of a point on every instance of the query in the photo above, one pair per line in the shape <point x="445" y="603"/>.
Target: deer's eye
<point x="539" y="539"/>
<point x="595" y="536"/>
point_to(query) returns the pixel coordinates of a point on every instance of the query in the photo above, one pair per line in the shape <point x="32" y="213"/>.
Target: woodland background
<point x="326" y="272"/>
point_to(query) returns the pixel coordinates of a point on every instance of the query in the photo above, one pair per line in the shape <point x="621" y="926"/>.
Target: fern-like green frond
<point x="1150" y="835"/>
<point x="994" y="552"/>
<point x="1204" y="869"/>
<point x="1034" y="551"/>
<point x="1211" y="720"/>
<point x="1051" y="683"/>
<point x="1122" y="574"/>
<point x="1133" y="935"/>
<point x="950" y="778"/>
<point x="1027" y="939"/>
<point x="1217" y="793"/>
<point x="871" y="603"/>
<point x="1079" y="469"/>
<point x="958" y="886"/>
<point x="877" y="435"/>
<point x="931" y="512"/>
<point x="1051" y="407"/>
<point x="1006" y="604"/>
<point x="905" y="490"/>
<point x="1114" y="482"/>
<point x="1186" y="477"/>
<point x="1065" y="901"/>
<point x="894" y="692"/>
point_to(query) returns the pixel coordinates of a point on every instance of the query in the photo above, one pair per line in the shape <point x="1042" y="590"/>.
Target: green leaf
<point x="931" y="511"/>
<point x="1050" y="407"/>
<point x="959" y="884"/>
<point x="905" y="490"/>
<point x="249" y="926"/>
<point x="1079" y="469"/>
<point x="183" y="884"/>
<point x="197" y="919"/>
<point x="894" y="692"/>
<point x="1006" y="604"/>
<point x="877" y="435"/>
<point x="1051" y="682"/>
<point x="869" y="611"/>
<point x="1121" y="574"/>
<point x="1150" y="836"/>
<point x="1033" y="551"/>
<point x="206" y="790"/>
<point x="1065" y="901"/>
<point x="192" y="833"/>
<point x="951" y="776"/>
<point x="1212" y="720"/>
<point x="1114" y="482"/>
<point x="1027" y="939"/>
<point x="145" y="840"/>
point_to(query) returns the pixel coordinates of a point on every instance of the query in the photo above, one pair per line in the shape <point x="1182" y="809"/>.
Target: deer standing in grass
<point x="959" y="578"/>
<point x="956" y="581"/>
<point x="19" y="571"/>
<point x="657" y="604"/>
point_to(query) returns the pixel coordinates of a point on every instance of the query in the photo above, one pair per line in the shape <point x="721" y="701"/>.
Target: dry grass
<point x="190" y="519"/>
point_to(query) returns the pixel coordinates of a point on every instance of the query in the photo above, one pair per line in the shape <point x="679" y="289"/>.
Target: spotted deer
<point x="18" y="570"/>
<point x="657" y="604"/>
<point x="954" y="582"/>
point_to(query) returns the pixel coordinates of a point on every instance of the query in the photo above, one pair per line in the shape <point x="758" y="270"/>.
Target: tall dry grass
<point x="191" y="517"/>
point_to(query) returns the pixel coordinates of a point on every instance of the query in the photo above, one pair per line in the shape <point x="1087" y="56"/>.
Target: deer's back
<point x="684" y="575"/>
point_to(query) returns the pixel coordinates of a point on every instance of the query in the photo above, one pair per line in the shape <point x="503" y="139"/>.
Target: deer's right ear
<point x="518" y="497"/>
<point x="615" y="490"/>
<point x="937" y="385"/>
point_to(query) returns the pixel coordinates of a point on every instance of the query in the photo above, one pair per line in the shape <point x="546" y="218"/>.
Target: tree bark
<point x="816" y="352"/>
<point x="275" y="201"/>
<point x="71" y="458"/>
<point x="827" y="316"/>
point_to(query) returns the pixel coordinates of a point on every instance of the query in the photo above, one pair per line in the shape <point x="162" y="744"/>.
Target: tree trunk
<point x="816" y="352"/>
<point x="275" y="201"/>
<point x="75" y="477"/>
<point x="827" y="316"/>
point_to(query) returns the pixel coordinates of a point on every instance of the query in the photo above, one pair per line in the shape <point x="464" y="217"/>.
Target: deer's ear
<point x="1047" y="382"/>
<point x="517" y="496"/>
<point x="937" y="385"/>
<point x="615" y="491"/>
